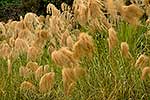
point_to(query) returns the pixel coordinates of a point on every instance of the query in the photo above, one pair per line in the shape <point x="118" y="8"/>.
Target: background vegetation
<point x="12" y="9"/>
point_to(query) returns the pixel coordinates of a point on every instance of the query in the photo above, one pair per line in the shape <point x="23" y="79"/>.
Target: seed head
<point x="125" y="50"/>
<point x="32" y="65"/>
<point x="46" y="82"/>
<point x="112" y="40"/>
<point x="141" y="61"/>
<point x="68" y="80"/>
<point x="63" y="57"/>
<point x="24" y="72"/>
<point x="145" y="71"/>
<point x="39" y="73"/>
<point x="21" y="46"/>
<point x="27" y="86"/>
<point x="83" y="47"/>
<point x="34" y="53"/>
<point x="69" y="42"/>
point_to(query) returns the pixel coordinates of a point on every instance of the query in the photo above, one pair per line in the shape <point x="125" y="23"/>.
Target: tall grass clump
<point x="94" y="50"/>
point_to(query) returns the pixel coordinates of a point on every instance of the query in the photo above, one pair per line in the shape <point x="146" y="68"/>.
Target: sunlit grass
<point x="108" y="78"/>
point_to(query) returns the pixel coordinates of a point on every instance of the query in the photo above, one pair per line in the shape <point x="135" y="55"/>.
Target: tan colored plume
<point x="125" y="50"/>
<point x="27" y="86"/>
<point x="141" y="61"/>
<point x="47" y="81"/>
<point x="145" y="71"/>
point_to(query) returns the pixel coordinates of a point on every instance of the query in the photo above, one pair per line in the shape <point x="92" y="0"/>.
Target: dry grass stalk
<point x="27" y="86"/>
<point x="141" y="61"/>
<point x="46" y="68"/>
<point x="9" y="63"/>
<point x="145" y="71"/>
<point x="46" y="82"/>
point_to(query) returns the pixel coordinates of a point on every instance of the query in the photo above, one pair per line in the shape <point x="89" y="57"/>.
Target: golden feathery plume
<point x="70" y="42"/>
<point x="112" y="40"/>
<point x="68" y="80"/>
<point x="111" y="8"/>
<point x="32" y="65"/>
<point x="31" y="21"/>
<point x="26" y="35"/>
<point x="2" y="31"/>
<point x="51" y="9"/>
<point x="125" y="50"/>
<point x="21" y="46"/>
<point x="95" y="25"/>
<point x="146" y="2"/>
<point x="105" y="22"/>
<point x="65" y="7"/>
<point x="94" y="9"/>
<point x="5" y="50"/>
<point x="81" y="14"/>
<point x="46" y="82"/>
<point x="64" y="38"/>
<point x="27" y="86"/>
<point x="24" y="72"/>
<point x="145" y="71"/>
<point x="39" y="73"/>
<point x="84" y="46"/>
<point x="42" y="34"/>
<point x="141" y="61"/>
<point x="20" y="26"/>
<point x="34" y="53"/>
<point x="131" y="14"/>
<point x="63" y="58"/>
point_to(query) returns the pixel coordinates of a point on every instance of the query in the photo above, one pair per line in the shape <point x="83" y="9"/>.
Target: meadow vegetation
<point x="92" y="50"/>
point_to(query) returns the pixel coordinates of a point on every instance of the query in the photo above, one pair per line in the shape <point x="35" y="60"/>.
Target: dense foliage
<point x="12" y="9"/>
